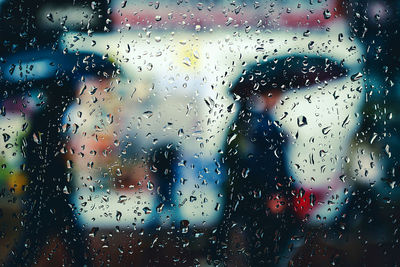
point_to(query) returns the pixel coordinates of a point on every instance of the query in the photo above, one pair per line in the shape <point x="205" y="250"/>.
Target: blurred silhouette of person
<point x="259" y="186"/>
<point x="29" y="37"/>
<point x="264" y="203"/>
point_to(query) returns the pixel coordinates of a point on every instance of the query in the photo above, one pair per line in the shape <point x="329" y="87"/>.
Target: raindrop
<point x="374" y="136"/>
<point x="148" y="114"/>
<point x="150" y="185"/>
<point x="327" y="14"/>
<point x="69" y="164"/>
<point x="311" y="45"/>
<point x="160" y="207"/>
<point x="50" y="17"/>
<point x="187" y="61"/>
<point x="340" y="37"/>
<point x="326" y="130"/>
<point x="66" y="190"/>
<point x="356" y="77"/>
<point x="93" y="232"/>
<point x="6" y="137"/>
<point x="184" y="226"/>
<point x="147" y="210"/>
<point x="122" y="198"/>
<point x="301" y="121"/>
<point x="118" y="216"/>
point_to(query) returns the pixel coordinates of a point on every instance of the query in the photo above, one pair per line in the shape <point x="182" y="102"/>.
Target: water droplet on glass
<point x="356" y="77"/>
<point x="301" y="121"/>
<point x="180" y="132"/>
<point x="147" y="210"/>
<point x="122" y="198"/>
<point x="6" y="137"/>
<point x="327" y="14"/>
<point x="50" y="17"/>
<point x="311" y="45"/>
<point x="184" y="226"/>
<point x="187" y="61"/>
<point x="340" y="37"/>
<point x="326" y="130"/>
<point x="148" y="114"/>
<point x="118" y="215"/>
<point x="150" y="185"/>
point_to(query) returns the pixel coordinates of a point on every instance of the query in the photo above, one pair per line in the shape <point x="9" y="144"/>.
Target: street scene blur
<point x="199" y="133"/>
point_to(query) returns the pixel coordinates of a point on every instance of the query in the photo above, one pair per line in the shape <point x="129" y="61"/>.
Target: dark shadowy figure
<point x="259" y="218"/>
<point x="47" y="212"/>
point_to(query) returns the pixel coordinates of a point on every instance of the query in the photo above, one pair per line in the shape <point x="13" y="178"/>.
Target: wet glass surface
<point x="184" y="133"/>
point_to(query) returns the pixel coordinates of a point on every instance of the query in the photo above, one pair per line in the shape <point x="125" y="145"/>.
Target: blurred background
<point x="186" y="133"/>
